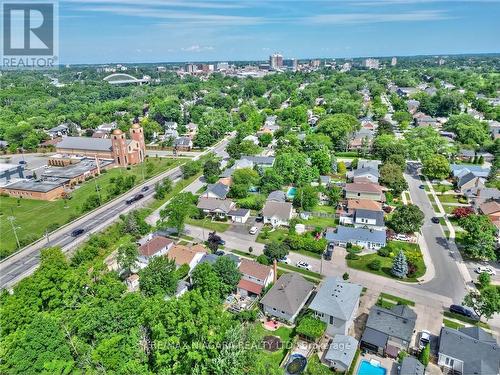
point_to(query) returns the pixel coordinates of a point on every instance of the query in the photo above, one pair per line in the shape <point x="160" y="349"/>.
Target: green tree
<point x="242" y="180"/>
<point x="158" y="277"/>
<point x="407" y="219"/>
<point x="211" y="171"/>
<point x="321" y="159"/>
<point x="484" y="280"/>
<point x="306" y="198"/>
<point x="127" y="256"/>
<point x="479" y="240"/>
<point x="392" y="177"/>
<point x="275" y="250"/>
<point x="271" y="180"/>
<point x="436" y="167"/>
<point x="425" y="355"/>
<point x="485" y="302"/>
<point x="206" y="280"/>
<point x="338" y="127"/>
<point x="400" y="265"/>
<point x="228" y="272"/>
<point x="178" y="210"/>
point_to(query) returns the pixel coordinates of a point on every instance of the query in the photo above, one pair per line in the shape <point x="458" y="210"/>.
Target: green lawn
<point x="300" y="270"/>
<point x="316" y="221"/>
<point x="397" y="299"/>
<point x="208" y="224"/>
<point x="315" y="367"/>
<point x="279" y="234"/>
<point x="34" y="217"/>
<point x="386" y="262"/>
<point x="286" y="335"/>
<point x="448" y="198"/>
<point x="451" y="324"/>
<point x="465" y="319"/>
<point x="324" y="208"/>
<point x="307" y="253"/>
<point x="385" y="303"/>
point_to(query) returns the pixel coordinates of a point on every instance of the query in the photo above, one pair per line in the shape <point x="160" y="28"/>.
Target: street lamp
<point x="12" y="219"/>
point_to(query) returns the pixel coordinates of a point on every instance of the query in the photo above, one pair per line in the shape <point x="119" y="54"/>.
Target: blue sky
<point x="101" y="31"/>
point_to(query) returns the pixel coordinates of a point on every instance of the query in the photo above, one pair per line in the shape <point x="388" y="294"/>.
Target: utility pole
<point x="12" y="219"/>
<point x="47" y="235"/>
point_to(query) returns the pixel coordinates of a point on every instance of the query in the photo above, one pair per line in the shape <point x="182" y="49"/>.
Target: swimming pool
<point x="371" y="368"/>
<point x="291" y="192"/>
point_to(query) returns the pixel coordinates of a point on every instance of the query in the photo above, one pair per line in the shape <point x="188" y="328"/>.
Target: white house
<point x="153" y="247"/>
<point x="254" y="277"/>
<point x="336" y="304"/>
<point x="277" y="213"/>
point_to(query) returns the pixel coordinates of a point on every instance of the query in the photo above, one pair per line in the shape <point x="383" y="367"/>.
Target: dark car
<point x="259" y="219"/>
<point x="329" y="251"/>
<point x="457" y="309"/>
<point x="139" y="196"/>
<point x="77" y="232"/>
<point x="134" y="199"/>
<point x="421" y="187"/>
<point x="435" y="220"/>
<point x="220" y="253"/>
<point x="22" y="162"/>
<point x="145" y="188"/>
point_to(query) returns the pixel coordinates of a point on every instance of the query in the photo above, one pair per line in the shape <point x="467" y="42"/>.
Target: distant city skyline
<point x="133" y="31"/>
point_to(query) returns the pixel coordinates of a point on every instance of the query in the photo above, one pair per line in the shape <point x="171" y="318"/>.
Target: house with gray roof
<point x="277" y="213"/>
<point x="459" y="170"/>
<point x="469" y="182"/>
<point x="411" y="366"/>
<point x="468" y="350"/>
<point x="341" y="353"/>
<point x="215" y="207"/>
<point x="366" y="238"/>
<point x="276" y="196"/>
<point x="369" y="174"/>
<point x="369" y="219"/>
<point x="336" y="304"/>
<point x="287" y="297"/>
<point x="261" y="161"/>
<point x="388" y="331"/>
<point x="217" y="191"/>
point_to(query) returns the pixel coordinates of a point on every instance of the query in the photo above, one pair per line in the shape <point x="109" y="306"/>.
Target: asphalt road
<point x="447" y="280"/>
<point x="23" y="263"/>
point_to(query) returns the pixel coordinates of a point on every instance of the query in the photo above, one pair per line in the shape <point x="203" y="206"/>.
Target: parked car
<point x="285" y="260"/>
<point x="259" y="219"/>
<point x="490" y="271"/>
<point x="22" y="162"/>
<point x="421" y="187"/>
<point x="435" y="220"/>
<point x="304" y="265"/>
<point x="253" y="230"/>
<point x="329" y="251"/>
<point x="425" y="338"/>
<point x="220" y="253"/>
<point x="457" y="309"/>
<point x="145" y="188"/>
<point x="77" y="232"/>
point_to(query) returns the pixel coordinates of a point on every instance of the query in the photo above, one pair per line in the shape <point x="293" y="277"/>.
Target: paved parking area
<point x="34" y="162"/>
<point x="242" y="229"/>
<point x="471" y="266"/>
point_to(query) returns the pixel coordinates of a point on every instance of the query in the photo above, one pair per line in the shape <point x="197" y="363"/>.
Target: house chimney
<point x="275" y="269"/>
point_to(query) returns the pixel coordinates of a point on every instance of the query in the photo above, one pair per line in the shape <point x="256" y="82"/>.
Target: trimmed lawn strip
<point x="244" y="254"/>
<point x="401" y="301"/>
<point x="55" y="214"/>
<point x="278" y="235"/>
<point x="208" y="224"/>
<point x="451" y="324"/>
<point x="324" y="209"/>
<point x="317" y="221"/>
<point x="307" y="253"/>
<point x="448" y="198"/>
<point x="176" y="190"/>
<point x="300" y="270"/>
<point x="385" y="304"/>
<point x="465" y="319"/>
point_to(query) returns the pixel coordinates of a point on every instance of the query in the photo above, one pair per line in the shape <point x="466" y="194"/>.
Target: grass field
<point x="451" y="324"/>
<point x="397" y="299"/>
<point x="449" y="314"/>
<point x="279" y="234"/>
<point x="286" y="336"/>
<point x="448" y="198"/>
<point x="386" y="262"/>
<point x="34" y="217"/>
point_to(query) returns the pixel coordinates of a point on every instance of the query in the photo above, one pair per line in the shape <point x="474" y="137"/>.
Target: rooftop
<point x="40" y="186"/>
<point x="288" y="293"/>
<point x="336" y="298"/>
<point x="154" y="245"/>
<point x="85" y="143"/>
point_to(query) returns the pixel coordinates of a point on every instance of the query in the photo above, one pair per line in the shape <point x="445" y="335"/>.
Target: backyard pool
<point x="290" y="194"/>
<point x="371" y="367"/>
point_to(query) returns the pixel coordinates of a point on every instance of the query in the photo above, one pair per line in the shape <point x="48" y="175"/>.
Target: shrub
<point x="262" y="259"/>
<point x="352" y="256"/>
<point x="375" y="265"/>
<point x="345" y="276"/>
<point x="412" y="269"/>
<point x="384" y="252"/>
<point x="183" y="271"/>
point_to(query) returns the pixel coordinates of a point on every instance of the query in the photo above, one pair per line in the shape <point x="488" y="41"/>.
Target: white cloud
<point x="197" y="48"/>
<point x="365" y="18"/>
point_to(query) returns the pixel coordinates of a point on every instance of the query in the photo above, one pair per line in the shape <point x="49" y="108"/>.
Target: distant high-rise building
<point x="190" y="68"/>
<point x="276" y="61"/>
<point x="315" y="63"/>
<point x="161" y="69"/>
<point x="441" y="61"/>
<point x="394" y="61"/>
<point x="346" y="67"/>
<point x="223" y="66"/>
<point x="371" y="64"/>
<point x="291" y="63"/>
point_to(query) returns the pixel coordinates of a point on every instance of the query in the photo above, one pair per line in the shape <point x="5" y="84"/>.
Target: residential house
<point x="483" y="194"/>
<point x="191" y="129"/>
<point x="469" y="183"/>
<point x="494" y="127"/>
<point x="287" y="297"/>
<point x="182" y="254"/>
<point x="341" y="353"/>
<point x="459" y="170"/>
<point x="216" y="207"/>
<point x="365" y="174"/>
<point x="388" y="331"/>
<point x="152" y="247"/>
<point x="469" y="350"/>
<point x="276" y="196"/>
<point x="370" y="164"/>
<point x="492" y="210"/>
<point x="243" y="163"/>
<point x="366" y="238"/>
<point x="254" y="277"/>
<point x="363" y="204"/>
<point x="132" y="282"/>
<point x="183" y="143"/>
<point x="239" y="215"/>
<point x="406" y="91"/>
<point x="368" y="219"/>
<point x="336" y="304"/>
<point x="412" y="105"/>
<point x="216" y="191"/>
<point x="277" y="213"/>
<point x="260" y="161"/>
<point x="170" y="125"/>
<point x="411" y="366"/>
<point x="59" y="131"/>
<point x="252" y="138"/>
<point x="369" y="191"/>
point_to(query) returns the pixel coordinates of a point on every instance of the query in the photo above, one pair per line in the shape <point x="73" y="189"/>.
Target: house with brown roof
<point x="363" y="204"/>
<point x="368" y="191"/>
<point x="182" y="254"/>
<point x="492" y="210"/>
<point x="152" y="247"/>
<point x="254" y="277"/>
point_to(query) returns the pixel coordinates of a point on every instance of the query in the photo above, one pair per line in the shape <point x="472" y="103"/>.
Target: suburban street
<point x="24" y="262"/>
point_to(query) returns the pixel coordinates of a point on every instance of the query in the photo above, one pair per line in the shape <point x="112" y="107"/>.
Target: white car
<point x="285" y="260"/>
<point x="401" y="237"/>
<point x="304" y="265"/>
<point x="490" y="271"/>
<point x="253" y="230"/>
<point x="425" y="338"/>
